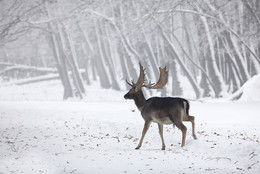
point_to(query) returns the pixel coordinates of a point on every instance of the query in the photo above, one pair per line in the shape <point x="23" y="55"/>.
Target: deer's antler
<point x="161" y="82"/>
<point x="140" y="80"/>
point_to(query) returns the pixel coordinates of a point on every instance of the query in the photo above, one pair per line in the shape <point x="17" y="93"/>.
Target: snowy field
<point x="42" y="134"/>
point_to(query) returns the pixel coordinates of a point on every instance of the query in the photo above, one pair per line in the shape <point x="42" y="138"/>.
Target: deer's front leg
<point x="146" y="127"/>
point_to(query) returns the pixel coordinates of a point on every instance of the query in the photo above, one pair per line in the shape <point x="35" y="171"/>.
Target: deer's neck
<point x="139" y="100"/>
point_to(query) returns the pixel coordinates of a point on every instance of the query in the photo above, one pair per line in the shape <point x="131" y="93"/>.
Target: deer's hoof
<point x="163" y="148"/>
<point x="195" y="137"/>
<point x="137" y="148"/>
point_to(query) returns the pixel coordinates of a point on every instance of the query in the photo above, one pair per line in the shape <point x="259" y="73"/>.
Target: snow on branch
<point x="220" y="19"/>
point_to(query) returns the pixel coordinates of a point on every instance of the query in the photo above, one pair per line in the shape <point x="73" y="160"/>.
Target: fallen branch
<point x="6" y="64"/>
<point x="33" y="80"/>
<point x="28" y="68"/>
<point x="41" y="78"/>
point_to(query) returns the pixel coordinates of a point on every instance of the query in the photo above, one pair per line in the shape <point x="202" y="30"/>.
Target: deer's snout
<point x="128" y="96"/>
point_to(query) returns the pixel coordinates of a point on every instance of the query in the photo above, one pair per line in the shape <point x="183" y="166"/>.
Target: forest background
<point x="213" y="45"/>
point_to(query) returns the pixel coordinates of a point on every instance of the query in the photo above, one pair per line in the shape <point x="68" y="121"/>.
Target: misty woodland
<point x="189" y="69"/>
<point x="214" y="44"/>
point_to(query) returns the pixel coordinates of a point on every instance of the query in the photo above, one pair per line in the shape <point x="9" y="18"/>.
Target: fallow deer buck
<point x="160" y="110"/>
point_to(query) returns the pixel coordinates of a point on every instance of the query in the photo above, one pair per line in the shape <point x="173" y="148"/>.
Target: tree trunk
<point x="220" y="88"/>
<point x="195" y="86"/>
<point x="204" y="83"/>
<point x="104" y="46"/>
<point x="72" y="58"/>
<point x="60" y="59"/>
<point x="176" y="84"/>
<point x="99" y="63"/>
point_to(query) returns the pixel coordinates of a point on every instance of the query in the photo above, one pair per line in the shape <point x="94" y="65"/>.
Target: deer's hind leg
<point x="160" y="126"/>
<point x="192" y="120"/>
<point x="176" y="119"/>
<point x="183" y="129"/>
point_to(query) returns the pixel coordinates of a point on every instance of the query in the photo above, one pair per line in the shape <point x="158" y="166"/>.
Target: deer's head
<point x="136" y="88"/>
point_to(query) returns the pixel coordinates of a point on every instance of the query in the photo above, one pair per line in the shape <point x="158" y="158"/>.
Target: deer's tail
<point x="186" y="106"/>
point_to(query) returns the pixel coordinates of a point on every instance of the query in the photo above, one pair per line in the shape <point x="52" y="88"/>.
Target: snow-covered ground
<point x="42" y="134"/>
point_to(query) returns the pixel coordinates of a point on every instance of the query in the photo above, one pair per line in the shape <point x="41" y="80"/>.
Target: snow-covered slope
<point x="99" y="134"/>
<point x="250" y="91"/>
